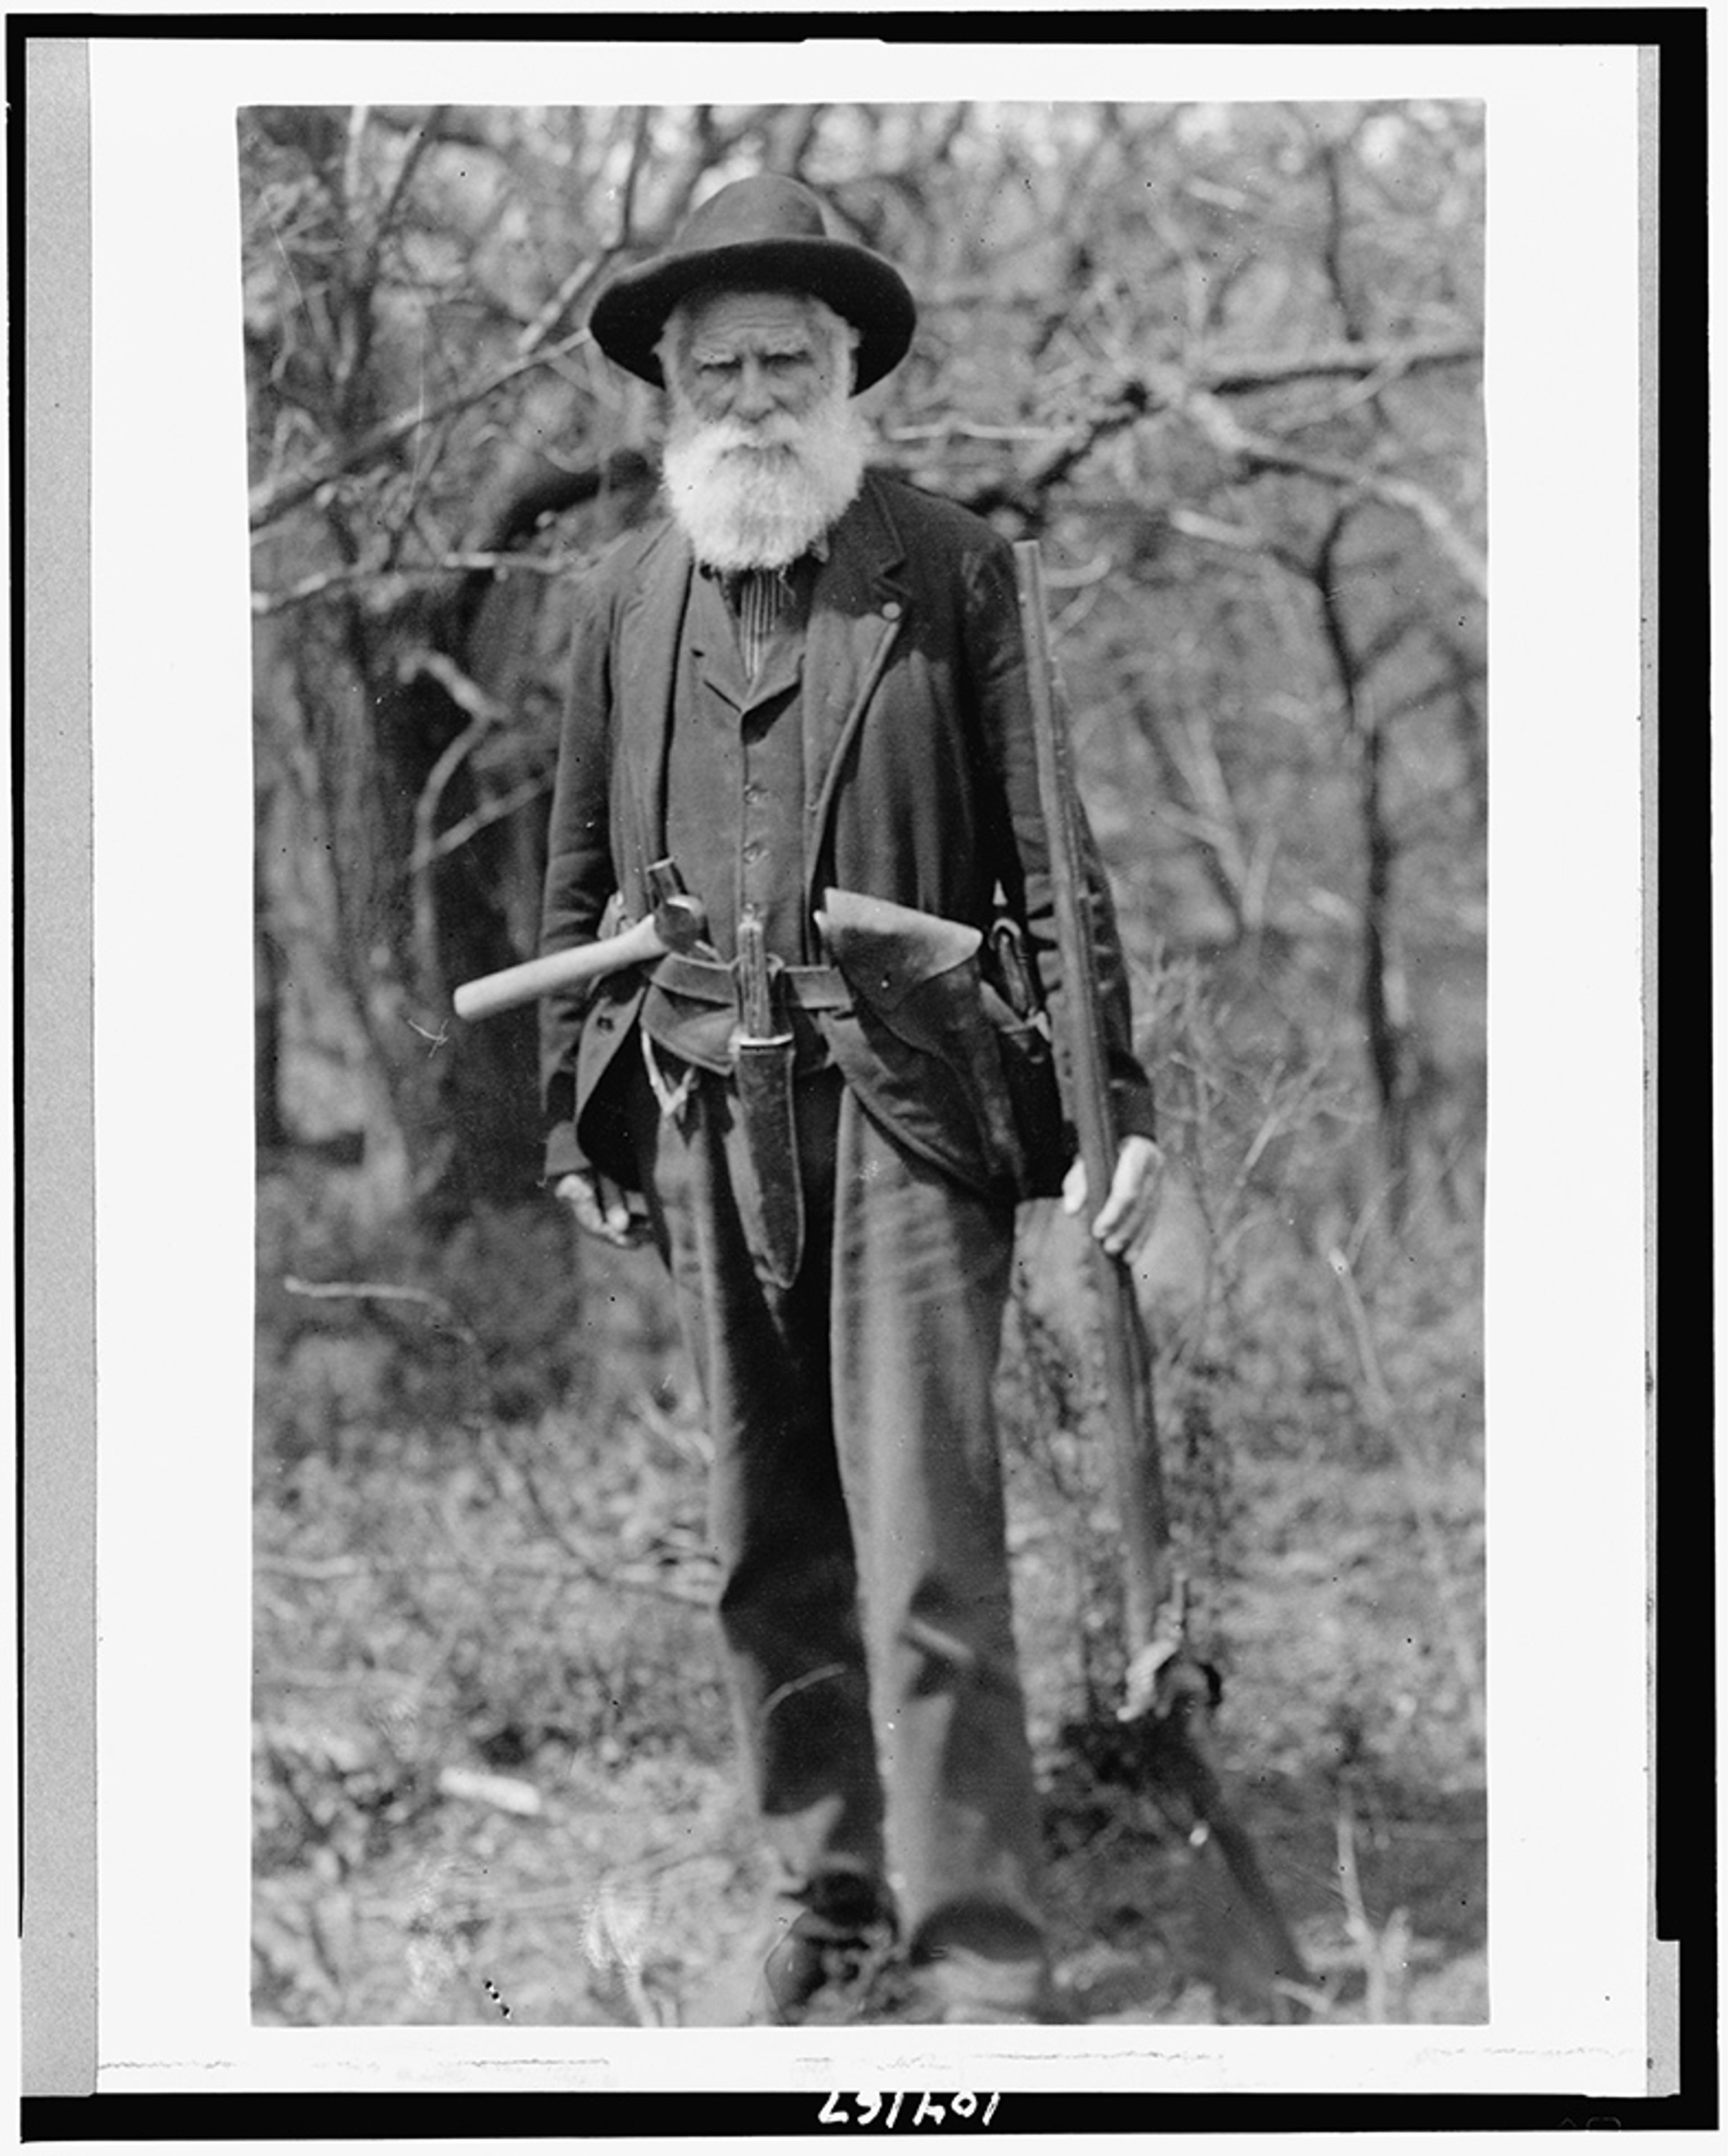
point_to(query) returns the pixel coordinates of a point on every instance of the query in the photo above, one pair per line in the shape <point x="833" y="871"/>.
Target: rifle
<point x="1169" y="1692"/>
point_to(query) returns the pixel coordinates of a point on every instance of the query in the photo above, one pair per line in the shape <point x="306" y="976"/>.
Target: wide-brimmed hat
<point x="766" y="233"/>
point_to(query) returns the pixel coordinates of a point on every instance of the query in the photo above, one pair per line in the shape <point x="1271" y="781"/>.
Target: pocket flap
<point x="885" y="951"/>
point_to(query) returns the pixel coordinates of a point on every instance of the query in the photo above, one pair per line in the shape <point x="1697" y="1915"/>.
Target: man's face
<point x="753" y="357"/>
<point x="764" y="450"/>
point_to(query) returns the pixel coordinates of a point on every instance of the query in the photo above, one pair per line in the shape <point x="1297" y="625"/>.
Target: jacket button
<point x="890" y="610"/>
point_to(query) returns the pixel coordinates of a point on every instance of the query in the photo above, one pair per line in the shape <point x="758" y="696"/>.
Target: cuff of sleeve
<point x="1135" y="1113"/>
<point x="563" y="1155"/>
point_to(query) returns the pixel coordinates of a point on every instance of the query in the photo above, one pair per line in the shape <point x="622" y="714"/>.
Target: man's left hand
<point x="1126" y="1216"/>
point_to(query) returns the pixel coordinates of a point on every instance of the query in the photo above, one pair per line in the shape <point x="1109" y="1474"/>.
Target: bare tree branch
<point x="457" y="834"/>
<point x="1238" y="538"/>
<point x="443" y="1311"/>
<point x="626" y="195"/>
<point x="588" y="271"/>
<point x="1331" y="163"/>
<point x="1230" y="375"/>
<point x="278" y="496"/>
<point x="386" y="582"/>
<point x="797" y="137"/>
<point x="358" y="115"/>
<point x="1405" y="494"/>
<point x="484" y="714"/>
<point x="420" y="140"/>
<point x="962" y="430"/>
<point x="1256" y="452"/>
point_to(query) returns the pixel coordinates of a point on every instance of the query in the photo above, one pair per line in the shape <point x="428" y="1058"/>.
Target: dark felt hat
<point x="766" y="233"/>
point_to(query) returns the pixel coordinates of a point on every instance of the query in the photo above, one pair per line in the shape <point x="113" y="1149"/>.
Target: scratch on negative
<point x="779" y="1696"/>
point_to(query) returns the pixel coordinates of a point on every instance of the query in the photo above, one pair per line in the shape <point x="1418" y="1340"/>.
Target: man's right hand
<point x="601" y="1208"/>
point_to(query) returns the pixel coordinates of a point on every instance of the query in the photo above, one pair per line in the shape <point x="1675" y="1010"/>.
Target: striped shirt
<point x="757" y="597"/>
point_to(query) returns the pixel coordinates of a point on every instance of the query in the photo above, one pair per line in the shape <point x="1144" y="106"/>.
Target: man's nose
<point x="755" y="392"/>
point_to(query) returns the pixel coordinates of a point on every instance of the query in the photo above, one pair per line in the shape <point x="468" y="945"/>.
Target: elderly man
<point x="805" y="686"/>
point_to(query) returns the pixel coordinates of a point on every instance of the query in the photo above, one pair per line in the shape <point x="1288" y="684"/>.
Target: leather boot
<point x="845" y="1928"/>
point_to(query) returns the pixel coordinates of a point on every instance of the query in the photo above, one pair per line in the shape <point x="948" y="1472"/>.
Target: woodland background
<point x="1224" y="361"/>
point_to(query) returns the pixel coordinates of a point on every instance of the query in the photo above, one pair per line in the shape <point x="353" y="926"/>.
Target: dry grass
<point x="494" y="1757"/>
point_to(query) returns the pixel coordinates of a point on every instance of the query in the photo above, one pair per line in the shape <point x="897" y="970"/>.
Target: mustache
<point x="723" y="437"/>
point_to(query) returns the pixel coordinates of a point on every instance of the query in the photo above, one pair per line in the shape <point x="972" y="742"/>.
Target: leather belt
<point x="708" y="981"/>
<point x="769" y="1041"/>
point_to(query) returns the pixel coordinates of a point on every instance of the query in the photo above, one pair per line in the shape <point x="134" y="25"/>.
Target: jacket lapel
<point x="859" y="607"/>
<point x="713" y="643"/>
<point x="649" y="635"/>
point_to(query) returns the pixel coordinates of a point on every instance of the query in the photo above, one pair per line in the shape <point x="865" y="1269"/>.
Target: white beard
<point x="758" y="497"/>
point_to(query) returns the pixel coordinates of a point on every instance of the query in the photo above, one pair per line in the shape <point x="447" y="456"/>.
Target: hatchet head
<point x="679" y="918"/>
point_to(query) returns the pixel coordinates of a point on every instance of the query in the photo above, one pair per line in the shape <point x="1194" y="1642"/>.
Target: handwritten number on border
<point x="869" y="2103"/>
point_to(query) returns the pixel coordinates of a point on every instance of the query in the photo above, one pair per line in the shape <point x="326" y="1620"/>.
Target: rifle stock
<point x="1164" y="1680"/>
<point x="1084" y="1059"/>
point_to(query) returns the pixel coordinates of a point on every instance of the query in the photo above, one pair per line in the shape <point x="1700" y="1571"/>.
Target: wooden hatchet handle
<point x="527" y="984"/>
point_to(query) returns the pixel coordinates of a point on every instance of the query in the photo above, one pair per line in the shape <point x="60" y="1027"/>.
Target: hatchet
<point x="677" y="923"/>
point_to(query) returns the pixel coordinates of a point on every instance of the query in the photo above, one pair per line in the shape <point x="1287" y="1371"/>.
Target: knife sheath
<point x="763" y="1060"/>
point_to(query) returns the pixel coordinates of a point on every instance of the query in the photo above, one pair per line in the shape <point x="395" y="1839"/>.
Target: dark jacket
<point x="920" y="786"/>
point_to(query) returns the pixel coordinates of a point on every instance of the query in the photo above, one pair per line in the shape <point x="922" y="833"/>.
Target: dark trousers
<point x="858" y="1510"/>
